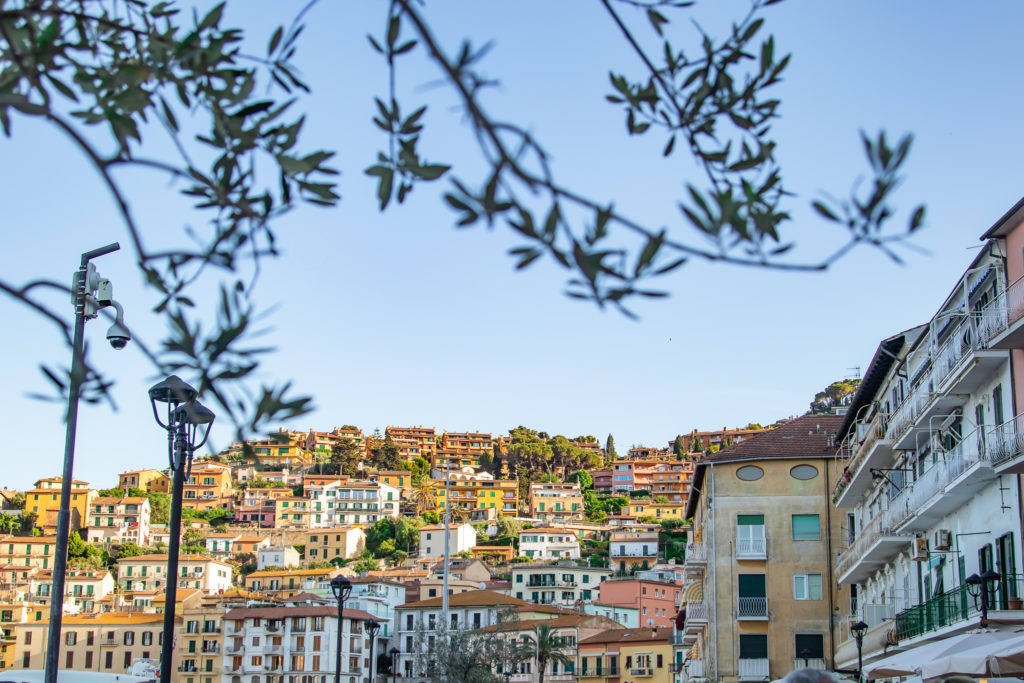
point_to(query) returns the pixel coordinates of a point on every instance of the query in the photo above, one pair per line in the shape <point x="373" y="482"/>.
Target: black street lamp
<point x="805" y="655"/>
<point x="185" y="415"/>
<point x="341" y="588"/>
<point x="978" y="587"/>
<point x="394" y="652"/>
<point x="859" y="629"/>
<point x="372" y="626"/>
<point x="89" y="293"/>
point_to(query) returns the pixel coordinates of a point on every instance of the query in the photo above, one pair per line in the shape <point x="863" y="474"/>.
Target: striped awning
<point x="693" y="593"/>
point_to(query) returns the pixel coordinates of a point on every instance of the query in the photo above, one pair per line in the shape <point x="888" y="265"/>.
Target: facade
<point x="566" y="630"/>
<point x="631" y="550"/>
<point x="660" y="511"/>
<point x="323" y="442"/>
<point x="208" y="487"/>
<point x="698" y="442"/>
<point x="283" y="556"/>
<point x="760" y="596"/>
<point x="627" y="654"/>
<point x="106" y="643"/>
<point x="259" y="506"/>
<point x="549" y="543"/>
<point x="556" y="503"/>
<point x="655" y="601"/>
<point x="148" y="572"/>
<point x="478" y="492"/>
<point x="413" y="442"/>
<point x="566" y="583"/>
<point x="931" y="448"/>
<point x="118" y="520"/>
<point x="84" y="589"/>
<point x="339" y="503"/>
<point x="378" y="597"/>
<point x="43" y="500"/>
<point x="292" y="512"/>
<point x="285" y="583"/>
<point x="345" y="542"/>
<point x="222" y="544"/>
<point x="147" y="480"/>
<point x="461" y="538"/>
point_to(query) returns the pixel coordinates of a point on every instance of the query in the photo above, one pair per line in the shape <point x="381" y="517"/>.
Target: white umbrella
<point x="979" y="661"/>
<point x="1009" y="658"/>
<point x="910" y="661"/>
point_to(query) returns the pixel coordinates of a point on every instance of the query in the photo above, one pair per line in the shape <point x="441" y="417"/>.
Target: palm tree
<point x="546" y="647"/>
<point x="424" y="495"/>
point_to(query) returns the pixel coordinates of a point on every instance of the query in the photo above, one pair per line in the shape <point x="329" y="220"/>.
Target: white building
<point x="549" y="543"/>
<point x="927" y="490"/>
<point x="118" y="519"/>
<point x="293" y="643"/>
<point x="337" y="503"/>
<point x="565" y="583"/>
<point x="378" y="597"/>
<point x="283" y="556"/>
<point x="462" y="538"/>
<point x="221" y="544"/>
<point x="148" y="572"/>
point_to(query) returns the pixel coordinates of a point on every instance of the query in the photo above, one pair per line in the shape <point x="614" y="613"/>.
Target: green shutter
<point x="750" y="520"/>
<point x="806" y="528"/>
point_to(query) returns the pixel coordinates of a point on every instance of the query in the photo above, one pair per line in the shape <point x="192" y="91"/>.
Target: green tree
<point x="385" y="454"/>
<point x="834" y="394"/>
<point x="366" y="565"/>
<point x="383" y="530"/>
<point x="18" y="500"/>
<point x="546" y="647"/>
<point x="345" y="456"/>
<point x="661" y="499"/>
<point x="28" y="523"/>
<point x="9" y="522"/>
<point x="129" y="549"/>
<point x="609" y="449"/>
<point x="508" y="527"/>
<point x="159" y="507"/>
<point x="679" y="448"/>
<point x="76" y="546"/>
<point x="586" y="481"/>
<point x="696" y="444"/>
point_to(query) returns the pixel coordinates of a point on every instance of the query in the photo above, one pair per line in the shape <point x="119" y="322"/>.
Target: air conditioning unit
<point x="943" y="539"/>
<point x="920" y="550"/>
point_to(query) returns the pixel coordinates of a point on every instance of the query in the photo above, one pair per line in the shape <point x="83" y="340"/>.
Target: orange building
<point x="413" y="442"/>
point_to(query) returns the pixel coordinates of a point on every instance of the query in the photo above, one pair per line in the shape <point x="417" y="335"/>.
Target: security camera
<point x="118" y="335"/>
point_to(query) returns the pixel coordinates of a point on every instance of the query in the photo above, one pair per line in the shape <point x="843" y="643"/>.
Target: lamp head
<point x="394" y="651"/>
<point x="859" y="629"/>
<point x="172" y="390"/>
<point x="341" y="587"/>
<point x="973" y="579"/>
<point x="194" y="413"/>
<point x="990" y="575"/>
<point x="372" y="626"/>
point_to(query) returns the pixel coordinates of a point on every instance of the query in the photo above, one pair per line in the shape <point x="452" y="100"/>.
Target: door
<point x="1007" y="568"/>
<point x="985" y="564"/>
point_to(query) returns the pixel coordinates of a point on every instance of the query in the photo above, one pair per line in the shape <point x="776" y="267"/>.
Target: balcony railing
<point x="904" y="417"/>
<point x="1006" y="441"/>
<point x="696" y="553"/>
<point x="751" y="548"/>
<point x="808" y="663"/>
<point x="1005" y="310"/>
<point x="956" y="605"/>
<point x="697" y="612"/>
<point x="756" y="607"/>
<point x="753" y="669"/>
<point x="641" y="673"/>
<point x="879" y="527"/>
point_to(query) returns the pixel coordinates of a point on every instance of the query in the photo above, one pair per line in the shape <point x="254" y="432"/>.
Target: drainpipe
<point x="714" y="569"/>
<point x="828" y="563"/>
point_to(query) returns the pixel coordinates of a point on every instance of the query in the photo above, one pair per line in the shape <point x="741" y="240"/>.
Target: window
<point x="108" y="660"/>
<point x="804" y="472"/>
<point x="69" y="660"/>
<point x="70" y="638"/>
<point x="750" y="473"/>
<point x="807" y="586"/>
<point x="129" y="638"/>
<point x="750" y="538"/>
<point x="753" y="646"/>
<point x="806" y="528"/>
<point x="809" y="646"/>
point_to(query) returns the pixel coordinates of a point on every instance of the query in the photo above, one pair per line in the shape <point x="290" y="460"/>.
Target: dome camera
<point x="118" y="335"/>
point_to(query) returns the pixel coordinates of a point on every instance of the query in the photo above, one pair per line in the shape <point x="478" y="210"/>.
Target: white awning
<point x="1004" y="657"/>
<point x="909" y="662"/>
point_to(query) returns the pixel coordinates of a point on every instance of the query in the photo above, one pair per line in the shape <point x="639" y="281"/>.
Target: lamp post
<point x="89" y="293"/>
<point x="394" y="652"/>
<point x="372" y="626"/>
<point x="978" y="587"/>
<point x="341" y="588"/>
<point x="805" y="655"/>
<point x="859" y="629"/>
<point x="185" y="415"/>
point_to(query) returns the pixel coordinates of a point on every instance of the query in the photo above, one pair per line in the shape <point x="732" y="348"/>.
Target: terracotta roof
<point x="240" y="613"/>
<point x="477" y="598"/>
<point x="29" y="539"/>
<point x="546" y="530"/>
<point x="115" y="618"/>
<point x="809" y="436"/>
<point x="630" y="635"/>
<point x="116" y="500"/>
<point x="292" y="572"/>
<point x="163" y="558"/>
<point x="179" y="595"/>
<point x="564" y="621"/>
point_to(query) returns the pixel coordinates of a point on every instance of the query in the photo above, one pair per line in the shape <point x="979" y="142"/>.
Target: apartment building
<point x="646" y="508"/>
<point x="292" y="512"/>
<point x="259" y="506"/>
<point x="147" y="480"/>
<point x="565" y="583"/>
<point x="477" y="492"/>
<point x="400" y="479"/>
<point x="345" y="542"/>
<point x="148" y="572"/>
<point x="474" y="442"/>
<point x="566" y="631"/>
<point x="650" y="453"/>
<point x="208" y="487"/>
<point x="222" y="544"/>
<point x="118" y="520"/>
<point x="83" y="588"/>
<point x="294" y="642"/>
<point x="250" y="545"/>
<point x="378" y="597"/>
<point x="700" y="441"/>
<point x="670" y="480"/>
<point x="416" y="623"/>
<point x="556" y="503"/>
<point x="629" y="550"/>
<point x="199" y="640"/>
<point x="760" y="599"/>
<point x="283" y="556"/>
<point x="603" y="480"/>
<point x="617" y="654"/>
<point x="339" y="503"/>
<point x="461" y="538"/>
<point x="413" y="442"/>
<point x="655" y="601"/>
<point x="549" y="543"/>
<point x="27" y="551"/>
<point x="103" y="642"/>
<point x="285" y="583"/>
<point x="453" y="459"/>
<point x="323" y="442"/>
<point x="44" y="498"/>
<point x="932" y="453"/>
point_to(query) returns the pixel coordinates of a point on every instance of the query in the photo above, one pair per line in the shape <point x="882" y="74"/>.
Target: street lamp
<point x="978" y="586"/>
<point x="185" y="415"/>
<point x="859" y="629"/>
<point x="372" y="626"/>
<point x="89" y="293"/>
<point x="394" y="662"/>
<point x="805" y="655"/>
<point x="341" y="588"/>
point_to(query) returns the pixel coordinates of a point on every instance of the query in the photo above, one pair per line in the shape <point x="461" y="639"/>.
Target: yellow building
<point x="280" y="451"/>
<point x="27" y="551"/>
<point x="147" y="480"/>
<point x="107" y="642"/>
<point x="292" y="512"/>
<point x="199" y="641"/>
<point x="647" y="508"/>
<point x="345" y="542"/>
<point x="643" y="654"/>
<point x="44" y="501"/>
<point x="400" y="479"/>
<point x="477" y="493"/>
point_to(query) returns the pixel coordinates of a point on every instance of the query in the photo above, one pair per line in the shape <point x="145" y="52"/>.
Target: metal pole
<point x="373" y="636"/>
<point x="60" y="550"/>
<point x="337" y="660"/>
<point x="447" y="538"/>
<point x="860" y="659"/>
<point x="177" y="444"/>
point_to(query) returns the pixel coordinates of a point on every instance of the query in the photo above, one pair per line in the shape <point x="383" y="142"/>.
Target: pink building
<point x="656" y="601"/>
<point x="602" y="480"/>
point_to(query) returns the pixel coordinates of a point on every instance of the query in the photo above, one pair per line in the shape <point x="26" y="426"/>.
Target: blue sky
<point x="401" y="319"/>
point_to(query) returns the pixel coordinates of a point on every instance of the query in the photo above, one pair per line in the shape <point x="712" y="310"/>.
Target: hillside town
<point x="866" y="537"/>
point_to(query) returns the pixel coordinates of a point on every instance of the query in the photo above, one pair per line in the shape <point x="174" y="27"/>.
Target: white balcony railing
<point x="1006" y="441"/>
<point x="879" y="527"/>
<point x="752" y="669"/>
<point x="809" y="663"/>
<point x="696" y="553"/>
<point x="751" y="548"/>
<point x="752" y="607"/>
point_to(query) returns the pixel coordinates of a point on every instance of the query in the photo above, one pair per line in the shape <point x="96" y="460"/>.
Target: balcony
<point x="695" y="621"/>
<point x="1002" y="321"/>
<point x="957" y="477"/>
<point x="696" y="557"/>
<point x="641" y="673"/>
<point x="752" y="669"/>
<point x="212" y="648"/>
<point x="808" y="663"/>
<point x="752" y="548"/>
<point x="1006" y="446"/>
<point x="752" y="608"/>
<point x="694" y="668"/>
<point x="876" y="544"/>
<point x="874" y="451"/>
<point x="914" y="417"/>
<point x="234" y="649"/>
<point x="963" y="362"/>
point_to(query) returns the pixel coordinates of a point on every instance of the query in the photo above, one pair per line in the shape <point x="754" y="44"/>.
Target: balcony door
<point x="750" y="538"/>
<point x="753" y="598"/>
<point x="1007" y="568"/>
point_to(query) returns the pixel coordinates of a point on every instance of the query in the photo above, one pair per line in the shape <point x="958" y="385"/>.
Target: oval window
<point x="804" y="472"/>
<point x="750" y="473"/>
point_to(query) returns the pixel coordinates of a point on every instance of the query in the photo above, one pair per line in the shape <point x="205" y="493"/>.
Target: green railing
<point x="954" y="606"/>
